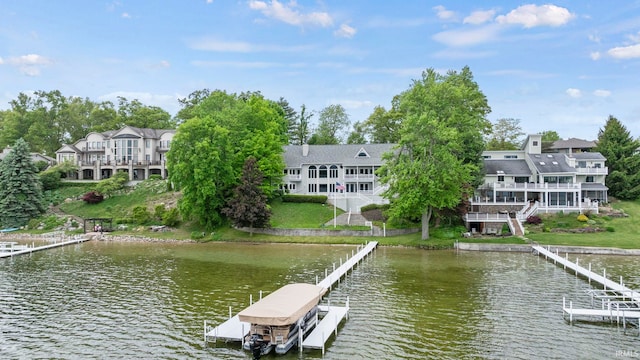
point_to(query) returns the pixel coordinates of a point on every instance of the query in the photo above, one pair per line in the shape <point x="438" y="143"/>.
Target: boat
<point x="280" y="319"/>
<point x="6" y="230"/>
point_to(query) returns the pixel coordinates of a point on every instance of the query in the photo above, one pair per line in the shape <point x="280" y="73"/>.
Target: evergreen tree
<point x="248" y="207"/>
<point x="20" y="188"/>
<point x="617" y="145"/>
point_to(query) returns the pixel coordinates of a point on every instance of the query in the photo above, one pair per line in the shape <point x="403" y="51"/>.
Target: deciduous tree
<point x="441" y="140"/>
<point x="20" y="188"/>
<point x="505" y="135"/>
<point x="332" y="120"/>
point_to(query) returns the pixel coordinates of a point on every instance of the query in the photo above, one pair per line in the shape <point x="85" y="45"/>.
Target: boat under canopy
<point x="283" y="306"/>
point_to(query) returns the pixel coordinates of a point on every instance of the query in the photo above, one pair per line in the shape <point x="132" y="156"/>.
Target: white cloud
<point x="467" y="37"/>
<point x="345" y="31"/>
<point x="574" y="93"/>
<point x="288" y="14"/>
<point x="209" y="1"/>
<point x="625" y="52"/>
<point x="635" y="38"/>
<point x="602" y="93"/>
<point x="531" y="15"/>
<point x="444" y="14"/>
<point x="125" y="15"/>
<point x="212" y="44"/>
<point x="29" y="65"/>
<point x="595" y="55"/>
<point x="479" y="17"/>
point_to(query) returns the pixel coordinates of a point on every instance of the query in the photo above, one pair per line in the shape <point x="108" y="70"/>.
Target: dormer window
<point x="362" y="153"/>
<point x="542" y="163"/>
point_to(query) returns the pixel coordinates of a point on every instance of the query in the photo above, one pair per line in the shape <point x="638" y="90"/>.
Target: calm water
<point x="139" y="300"/>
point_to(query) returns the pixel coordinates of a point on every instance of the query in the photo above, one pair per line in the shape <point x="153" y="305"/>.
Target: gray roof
<point x="573" y="143"/>
<point x="346" y="154"/>
<point x="588" y="156"/>
<point x="146" y="132"/>
<point x="551" y="163"/>
<point x="507" y="166"/>
<point x="593" y="186"/>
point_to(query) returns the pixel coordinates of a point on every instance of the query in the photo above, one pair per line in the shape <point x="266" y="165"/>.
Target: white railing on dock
<point x="76" y="239"/>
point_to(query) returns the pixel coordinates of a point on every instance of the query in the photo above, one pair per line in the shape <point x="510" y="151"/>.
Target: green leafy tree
<point x="248" y="207"/>
<point x="291" y="117"/>
<point x="383" y="126"/>
<point x="134" y="113"/>
<point x="440" y="146"/>
<point x="548" y="138"/>
<point x="21" y="197"/>
<point x="332" y="120"/>
<point x="301" y="130"/>
<point x="617" y="145"/>
<point x="506" y="135"/>
<point x="358" y="135"/>
<point x="208" y="151"/>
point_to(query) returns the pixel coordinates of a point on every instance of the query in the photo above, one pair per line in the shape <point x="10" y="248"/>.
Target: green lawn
<point x="300" y="215"/>
<point x="625" y="235"/>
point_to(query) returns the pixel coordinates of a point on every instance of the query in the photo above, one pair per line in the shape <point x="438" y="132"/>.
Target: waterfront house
<point x="138" y="151"/>
<point x="521" y="183"/>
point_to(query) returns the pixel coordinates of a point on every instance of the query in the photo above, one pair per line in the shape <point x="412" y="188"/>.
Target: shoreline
<point x="592" y="250"/>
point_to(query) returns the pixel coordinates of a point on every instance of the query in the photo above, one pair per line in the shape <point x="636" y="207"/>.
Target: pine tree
<point x="617" y="145"/>
<point x="248" y="207"/>
<point x="20" y="187"/>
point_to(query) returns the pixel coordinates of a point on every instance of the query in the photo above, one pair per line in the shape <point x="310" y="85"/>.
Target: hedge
<point x="319" y="199"/>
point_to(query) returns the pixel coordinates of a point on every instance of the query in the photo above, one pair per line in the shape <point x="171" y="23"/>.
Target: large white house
<point x="345" y="173"/>
<point x="524" y="182"/>
<point x="138" y="151"/>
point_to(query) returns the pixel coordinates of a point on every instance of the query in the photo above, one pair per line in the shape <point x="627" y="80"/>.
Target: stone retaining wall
<point x="323" y="232"/>
<point x="561" y="249"/>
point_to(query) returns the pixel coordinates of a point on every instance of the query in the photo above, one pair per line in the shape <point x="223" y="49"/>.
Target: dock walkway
<point x="22" y="249"/>
<point x="235" y="330"/>
<point x="618" y="301"/>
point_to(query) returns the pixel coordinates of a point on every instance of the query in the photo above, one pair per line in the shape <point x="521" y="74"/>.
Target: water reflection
<point x="133" y="300"/>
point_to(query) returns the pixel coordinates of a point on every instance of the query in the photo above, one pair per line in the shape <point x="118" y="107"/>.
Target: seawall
<point x="562" y="249"/>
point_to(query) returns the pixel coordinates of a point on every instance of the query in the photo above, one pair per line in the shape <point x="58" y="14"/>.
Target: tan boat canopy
<point x="283" y="306"/>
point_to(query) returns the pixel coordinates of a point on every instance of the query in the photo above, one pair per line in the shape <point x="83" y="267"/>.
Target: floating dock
<point x="11" y="249"/>
<point x="235" y="330"/>
<point x="618" y="301"/>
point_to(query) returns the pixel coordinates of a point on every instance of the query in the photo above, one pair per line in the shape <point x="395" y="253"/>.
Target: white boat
<point x="281" y="318"/>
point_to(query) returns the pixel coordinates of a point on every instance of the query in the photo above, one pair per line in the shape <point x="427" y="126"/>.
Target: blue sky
<point x="563" y="66"/>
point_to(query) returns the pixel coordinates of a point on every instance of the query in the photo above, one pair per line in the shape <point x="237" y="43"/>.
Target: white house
<point x="138" y="151"/>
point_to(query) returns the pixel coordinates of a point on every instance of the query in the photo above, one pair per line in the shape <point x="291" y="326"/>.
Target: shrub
<point x="92" y="197"/>
<point x="50" y="180"/>
<point x="141" y="215"/>
<point x="159" y="211"/>
<point x="582" y="218"/>
<point x="155" y="177"/>
<point x="534" y="220"/>
<point x="318" y="199"/>
<point x="171" y="217"/>
<point x="610" y="229"/>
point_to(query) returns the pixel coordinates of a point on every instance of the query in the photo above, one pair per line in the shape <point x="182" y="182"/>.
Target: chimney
<point x="305" y="149"/>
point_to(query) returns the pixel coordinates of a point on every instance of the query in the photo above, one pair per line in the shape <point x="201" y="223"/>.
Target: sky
<point x="563" y="66"/>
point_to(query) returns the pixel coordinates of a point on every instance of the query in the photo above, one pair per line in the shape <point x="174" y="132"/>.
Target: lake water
<point x="149" y="300"/>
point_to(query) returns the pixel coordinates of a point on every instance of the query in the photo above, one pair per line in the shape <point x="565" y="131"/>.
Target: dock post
<point x="260" y="294"/>
<point x="604" y="275"/>
<point x="316" y="279"/>
<point x="566" y="258"/>
<point x="571" y="312"/>
<point x="577" y="266"/>
<point x="205" y="332"/>
<point x="250" y="299"/>
<point x="589" y="273"/>
<point x="300" y="339"/>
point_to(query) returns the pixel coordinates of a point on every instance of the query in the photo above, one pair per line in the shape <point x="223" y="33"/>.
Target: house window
<point x="597" y="165"/>
<point x="323" y="172"/>
<point x="511" y="156"/>
<point x="292" y="186"/>
<point x="582" y="164"/>
<point x="521" y="179"/>
<point x="590" y="179"/>
<point x="364" y="187"/>
<point x="333" y="172"/>
<point x="535" y="143"/>
<point x="323" y="188"/>
<point x="313" y="172"/>
<point x="313" y="188"/>
<point x="500" y="178"/>
<point x="486" y="156"/>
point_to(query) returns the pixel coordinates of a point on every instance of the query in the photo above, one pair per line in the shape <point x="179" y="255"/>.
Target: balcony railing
<point x="121" y="163"/>
<point x="593" y="170"/>
<point x="532" y="186"/>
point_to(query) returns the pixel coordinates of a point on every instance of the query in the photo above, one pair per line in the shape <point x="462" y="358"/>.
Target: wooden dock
<point x="618" y="301"/>
<point x="235" y="330"/>
<point x="25" y="249"/>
